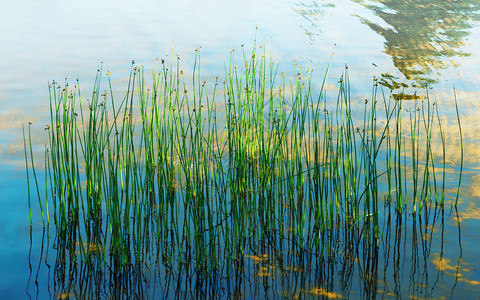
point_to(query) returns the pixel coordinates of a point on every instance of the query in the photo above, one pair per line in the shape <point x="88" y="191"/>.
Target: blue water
<point x="45" y="40"/>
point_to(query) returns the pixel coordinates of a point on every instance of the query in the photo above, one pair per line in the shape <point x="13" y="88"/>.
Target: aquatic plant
<point x="170" y="171"/>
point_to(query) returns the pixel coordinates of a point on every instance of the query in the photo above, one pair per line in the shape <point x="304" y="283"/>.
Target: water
<point x="417" y="42"/>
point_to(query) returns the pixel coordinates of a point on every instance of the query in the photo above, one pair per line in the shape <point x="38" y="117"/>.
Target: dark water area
<point x="418" y="49"/>
<point x="411" y="261"/>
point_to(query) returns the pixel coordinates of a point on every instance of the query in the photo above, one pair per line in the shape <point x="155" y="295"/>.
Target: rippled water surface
<point x="413" y="46"/>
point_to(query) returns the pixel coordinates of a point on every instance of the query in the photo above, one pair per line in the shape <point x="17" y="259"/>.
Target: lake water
<point x="416" y="42"/>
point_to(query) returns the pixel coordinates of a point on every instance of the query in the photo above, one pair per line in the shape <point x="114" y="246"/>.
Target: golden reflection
<point x="324" y="293"/>
<point x="474" y="191"/>
<point x="64" y="296"/>
<point x="382" y="292"/>
<point x="471" y="212"/>
<point x="15" y="148"/>
<point x="294" y="269"/>
<point x="444" y="264"/>
<point x="468" y="281"/>
<point x="258" y="258"/>
<point x="11" y="119"/>
<point x="92" y="247"/>
<point x="422" y="36"/>
<point x="265" y="269"/>
<point x="263" y="272"/>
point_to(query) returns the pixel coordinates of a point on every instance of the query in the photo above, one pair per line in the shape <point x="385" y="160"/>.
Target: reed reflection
<point x="423" y="36"/>
<point x="409" y="260"/>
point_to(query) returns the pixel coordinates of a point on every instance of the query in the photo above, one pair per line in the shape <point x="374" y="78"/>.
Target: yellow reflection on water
<point x="385" y="293"/>
<point x="422" y="36"/>
<point x="266" y="269"/>
<point x="471" y="212"/>
<point x="468" y="281"/>
<point x="442" y="263"/>
<point x="295" y="269"/>
<point x="263" y="271"/>
<point x="325" y="293"/>
<point x="92" y="247"/>
<point x="64" y="296"/>
<point x="10" y="120"/>
<point x="445" y="265"/>
<point x="258" y="258"/>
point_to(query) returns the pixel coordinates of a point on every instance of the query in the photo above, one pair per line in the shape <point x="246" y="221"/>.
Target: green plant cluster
<point x="172" y="165"/>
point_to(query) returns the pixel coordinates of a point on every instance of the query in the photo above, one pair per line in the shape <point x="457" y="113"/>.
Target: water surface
<point x="410" y="44"/>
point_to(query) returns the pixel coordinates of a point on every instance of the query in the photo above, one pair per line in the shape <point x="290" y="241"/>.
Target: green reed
<point x="461" y="148"/>
<point x="170" y="170"/>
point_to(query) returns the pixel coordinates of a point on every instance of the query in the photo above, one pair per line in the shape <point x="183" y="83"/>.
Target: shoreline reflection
<point x="421" y="37"/>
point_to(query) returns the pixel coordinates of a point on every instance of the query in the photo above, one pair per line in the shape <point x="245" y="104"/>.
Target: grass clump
<point x="173" y="172"/>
